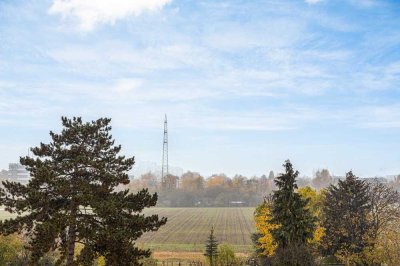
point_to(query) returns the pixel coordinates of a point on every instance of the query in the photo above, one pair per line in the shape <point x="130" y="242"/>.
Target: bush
<point x="11" y="247"/>
<point x="150" y="261"/>
<point x="293" y="255"/>
<point x="226" y="255"/>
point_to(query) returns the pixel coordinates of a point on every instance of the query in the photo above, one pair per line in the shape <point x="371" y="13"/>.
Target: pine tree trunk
<point x="71" y="238"/>
<point x="71" y="245"/>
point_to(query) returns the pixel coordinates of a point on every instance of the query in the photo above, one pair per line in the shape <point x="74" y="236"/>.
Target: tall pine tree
<point x="289" y="211"/>
<point x="72" y="198"/>
<point x="212" y="248"/>
<point x="346" y="210"/>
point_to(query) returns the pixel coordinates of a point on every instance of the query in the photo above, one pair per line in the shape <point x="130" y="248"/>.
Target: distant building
<point x="335" y="179"/>
<point x="143" y="167"/>
<point x="17" y="173"/>
<point x="381" y="180"/>
<point x="3" y="174"/>
<point x="237" y="203"/>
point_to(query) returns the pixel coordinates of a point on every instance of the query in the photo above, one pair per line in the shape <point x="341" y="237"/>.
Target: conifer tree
<point x="72" y="198"/>
<point x="212" y="248"/>
<point x="346" y="210"/>
<point x="295" y="222"/>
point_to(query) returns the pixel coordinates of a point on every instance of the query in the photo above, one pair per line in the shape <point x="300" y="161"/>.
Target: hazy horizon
<point x="245" y="84"/>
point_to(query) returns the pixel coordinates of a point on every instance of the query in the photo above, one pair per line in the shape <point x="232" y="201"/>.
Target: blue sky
<point x="245" y="84"/>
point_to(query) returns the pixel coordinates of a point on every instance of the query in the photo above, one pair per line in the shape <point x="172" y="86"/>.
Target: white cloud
<point x="311" y="2"/>
<point x="364" y="3"/>
<point x="268" y="33"/>
<point x="92" y="12"/>
<point x="134" y="90"/>
<point x="120" y="55"/>
<point x="197" y="116"/>
<point x="126" y="86"/>
<point x="380" y="117"/>
<point x="258" y="120"/>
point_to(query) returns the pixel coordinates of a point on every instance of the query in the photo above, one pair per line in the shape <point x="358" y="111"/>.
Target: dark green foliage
<point x="212" y="248"/>
<point x="72" y="198"/>
<point x="346" y="209"/>
<point x="256" y="244"/>
<point x="290" y="212"/>
<point x="293" y="255"/>
<point x="258" y="255"/>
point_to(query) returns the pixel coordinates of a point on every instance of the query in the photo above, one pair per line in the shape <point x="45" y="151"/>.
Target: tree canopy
<point x="346" y="218"/>
<point x="290" y="211"/>
<point x="73" y="197"/>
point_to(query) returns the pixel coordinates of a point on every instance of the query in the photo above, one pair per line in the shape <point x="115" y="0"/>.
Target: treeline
<point x="192" y="189"/>
<point x="353" y="222"/>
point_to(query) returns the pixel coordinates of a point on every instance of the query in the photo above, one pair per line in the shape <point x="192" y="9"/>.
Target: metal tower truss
<point x="164" y="170"/>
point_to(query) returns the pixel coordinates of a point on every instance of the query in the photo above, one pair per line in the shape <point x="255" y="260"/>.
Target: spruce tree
<point x="289" y="211"/>
<point x="346" y="210"/>
<point x="212" y="248"/>
<point x="73" y="198"/>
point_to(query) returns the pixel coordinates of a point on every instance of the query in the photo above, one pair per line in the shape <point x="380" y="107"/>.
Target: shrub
<point x="11" y="247"/>
<point x="293" y="255"/>
<point x="226" y="255"/>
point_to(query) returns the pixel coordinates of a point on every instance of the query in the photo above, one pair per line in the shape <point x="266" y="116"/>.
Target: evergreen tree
<point x="72" y="198"/>
<point x="346" y="209"/>
<point x="212" y="248"/>
<point x="289" y="211"/>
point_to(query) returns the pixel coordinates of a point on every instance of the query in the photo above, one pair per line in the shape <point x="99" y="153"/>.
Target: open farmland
<point x="187" y="229"/>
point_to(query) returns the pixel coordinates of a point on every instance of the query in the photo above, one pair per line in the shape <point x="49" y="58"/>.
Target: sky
<point x="245" y="84"/>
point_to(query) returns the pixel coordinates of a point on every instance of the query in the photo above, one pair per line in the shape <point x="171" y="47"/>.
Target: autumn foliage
<point x="357" y="224"/>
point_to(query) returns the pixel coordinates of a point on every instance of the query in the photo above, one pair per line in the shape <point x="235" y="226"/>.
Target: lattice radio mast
<point x="164" y="170"/>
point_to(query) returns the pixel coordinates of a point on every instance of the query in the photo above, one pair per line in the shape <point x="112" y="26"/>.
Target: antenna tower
<point x="164" y="170"/>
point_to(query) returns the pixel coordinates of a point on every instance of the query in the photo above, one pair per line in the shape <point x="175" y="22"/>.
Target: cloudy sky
<point x="245" y="84"/>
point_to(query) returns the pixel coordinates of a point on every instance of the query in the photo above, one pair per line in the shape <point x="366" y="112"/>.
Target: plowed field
<point x="187" y="229"/>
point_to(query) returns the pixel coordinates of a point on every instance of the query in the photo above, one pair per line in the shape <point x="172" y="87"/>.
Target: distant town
<point x="17" y="173"/>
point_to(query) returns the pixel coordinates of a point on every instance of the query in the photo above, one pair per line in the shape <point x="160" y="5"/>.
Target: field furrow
<point x="187" y="229"/>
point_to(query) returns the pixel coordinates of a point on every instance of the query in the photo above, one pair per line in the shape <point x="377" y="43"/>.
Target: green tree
<point x="290" y="212"/>
<point x="346" y="219"/>
<point x="73" y="198"/>
<point x="212" y="248"/>
<point x="226" y="256"/>
<point x="295" y="222"/>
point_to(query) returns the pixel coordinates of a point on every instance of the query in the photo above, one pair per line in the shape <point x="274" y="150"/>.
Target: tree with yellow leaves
<point x="262" y="216"/>
<point x="315" y="203"/>
<point x="265" y="243"/>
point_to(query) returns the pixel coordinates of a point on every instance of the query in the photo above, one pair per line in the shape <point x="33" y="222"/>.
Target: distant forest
<point x="191" y="189"/>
